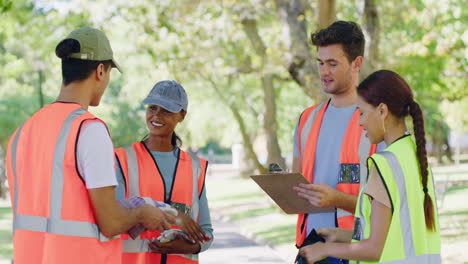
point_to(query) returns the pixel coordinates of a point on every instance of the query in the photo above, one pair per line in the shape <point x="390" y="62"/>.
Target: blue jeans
<point x="337" y="261"/>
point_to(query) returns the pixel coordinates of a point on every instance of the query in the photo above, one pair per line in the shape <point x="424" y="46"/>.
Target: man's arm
<point x="323" y="195"/>
<point x="95" y="162"/>
<point x="113" y="219"/>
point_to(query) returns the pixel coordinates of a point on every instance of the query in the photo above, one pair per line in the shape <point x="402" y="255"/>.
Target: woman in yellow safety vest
<point x="396" y="216"/>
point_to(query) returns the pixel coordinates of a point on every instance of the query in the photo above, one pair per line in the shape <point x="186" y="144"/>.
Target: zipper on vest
<point x="164" y="259"/>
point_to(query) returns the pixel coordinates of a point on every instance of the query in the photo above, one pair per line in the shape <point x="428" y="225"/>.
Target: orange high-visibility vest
<point x="53" y="218"/>
<point x="142" y="178"/>
<point x="353" y="155"/>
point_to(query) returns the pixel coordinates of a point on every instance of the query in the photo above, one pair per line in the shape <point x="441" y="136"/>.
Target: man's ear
<point x="357" y="63"/>
<point x="100" y="72"/>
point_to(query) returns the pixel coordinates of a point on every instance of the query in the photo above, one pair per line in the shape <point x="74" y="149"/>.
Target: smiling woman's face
<point x="161" y="122"/>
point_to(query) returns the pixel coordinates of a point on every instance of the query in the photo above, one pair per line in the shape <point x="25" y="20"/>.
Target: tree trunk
<point x="300" y="63"/>
<point x="326" y="13"/>
<point x="447" y="149"/>
<point x="269" y="117"/>
<point x="240" y="121"/>
<point x="270" y="124"/>
<point x="371" y="29"/>
<point x="437" y="142"/>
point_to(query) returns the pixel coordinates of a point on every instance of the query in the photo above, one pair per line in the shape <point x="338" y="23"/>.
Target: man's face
<point x="334" y="69"/>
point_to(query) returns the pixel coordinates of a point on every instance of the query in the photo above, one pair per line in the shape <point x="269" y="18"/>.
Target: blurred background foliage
<point x="247" y="66"/>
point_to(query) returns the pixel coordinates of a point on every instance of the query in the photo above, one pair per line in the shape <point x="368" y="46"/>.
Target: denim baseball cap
<point x="94" y="46"/>
<point x="169" y="95"/>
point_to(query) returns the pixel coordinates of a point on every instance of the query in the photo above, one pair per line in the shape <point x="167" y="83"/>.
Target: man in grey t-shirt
<point x="321" y="133"/>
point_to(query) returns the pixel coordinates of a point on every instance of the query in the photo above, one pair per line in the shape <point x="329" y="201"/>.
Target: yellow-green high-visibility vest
<point x="408" y="240"/>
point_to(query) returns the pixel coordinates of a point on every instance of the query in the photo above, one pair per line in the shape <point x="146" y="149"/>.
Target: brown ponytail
<point x="388" y="87"/>
<point x="418" y="126"/>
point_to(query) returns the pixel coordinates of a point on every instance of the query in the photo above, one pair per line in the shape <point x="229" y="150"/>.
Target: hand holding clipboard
<point x="279" y="186"/>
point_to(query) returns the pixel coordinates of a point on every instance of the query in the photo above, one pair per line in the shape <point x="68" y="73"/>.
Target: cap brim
<point x="116" y="65"/>
<point x="171" y="107"/>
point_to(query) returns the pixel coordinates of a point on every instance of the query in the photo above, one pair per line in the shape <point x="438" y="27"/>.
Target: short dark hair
<point x="76" y="69"/>
<point x="346" y="33"/>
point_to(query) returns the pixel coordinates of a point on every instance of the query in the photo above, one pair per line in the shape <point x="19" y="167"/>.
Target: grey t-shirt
<point x="327" y="161"/>
<point x="166" y="163"/>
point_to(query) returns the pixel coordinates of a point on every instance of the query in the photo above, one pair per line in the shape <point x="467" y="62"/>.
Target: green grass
<point x="279" y="235"/>
<point x="4" y="212"/>
<point x="242" y="196"/>
<point x="456" y="189"/>
<point x="253" y="213"/>
<point x="6" y="237"/>
<point x="454" y="213"/>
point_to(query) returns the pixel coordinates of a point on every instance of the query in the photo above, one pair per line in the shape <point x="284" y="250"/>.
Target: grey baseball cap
<point x="169" y="95"/>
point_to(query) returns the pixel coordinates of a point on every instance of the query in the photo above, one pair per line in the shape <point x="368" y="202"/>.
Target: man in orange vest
<point x="329" y="147"/>
<point x="61" y="170"/>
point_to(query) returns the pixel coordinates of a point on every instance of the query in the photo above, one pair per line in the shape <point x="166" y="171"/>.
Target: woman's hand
<point x="191" y="228"/>
<point x="177" y="246"/>
<point x="314" y="252"/>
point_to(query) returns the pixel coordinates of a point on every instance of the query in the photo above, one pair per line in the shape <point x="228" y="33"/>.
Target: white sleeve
<point x="95" y="156"/>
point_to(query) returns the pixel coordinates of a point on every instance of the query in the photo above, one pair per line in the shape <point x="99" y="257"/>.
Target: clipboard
<point x="279" y="186"/>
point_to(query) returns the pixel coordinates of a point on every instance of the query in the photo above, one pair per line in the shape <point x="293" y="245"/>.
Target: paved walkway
<point x="230" y="247"/>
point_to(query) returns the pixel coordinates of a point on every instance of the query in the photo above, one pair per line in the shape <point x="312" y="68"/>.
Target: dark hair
<point x="389" y="88"/>
<point x="346" y="33"/>
<point x="76" y="69"/>
<point x="175" y="140"/>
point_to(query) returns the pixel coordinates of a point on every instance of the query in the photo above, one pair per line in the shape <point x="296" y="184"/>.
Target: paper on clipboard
<point x="279" y="186"/>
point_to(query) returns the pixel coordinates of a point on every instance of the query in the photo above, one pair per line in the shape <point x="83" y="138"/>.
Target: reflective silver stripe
<point x="135" y="246"/>
<point x="54" y="224"/>
<point x="133" y="174"/>
<point x="196" y="169"/>
<point x="56" y="189"/>
<point x="405" y="219"/>
<point x="14" y="146"/>
<point x="363" y="152"/>
<point x="425" y="258"/>
<point x="342" y="213"/>
<point x="59" y="227"/>
<point x="308" y="126"/>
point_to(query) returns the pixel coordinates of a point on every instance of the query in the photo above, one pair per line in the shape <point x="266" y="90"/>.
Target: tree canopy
<point x="248" y="66"/>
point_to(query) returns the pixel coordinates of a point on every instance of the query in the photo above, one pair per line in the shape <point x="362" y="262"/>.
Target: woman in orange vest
<point x="60" y="168"/>
<point x="157" y="168"/>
